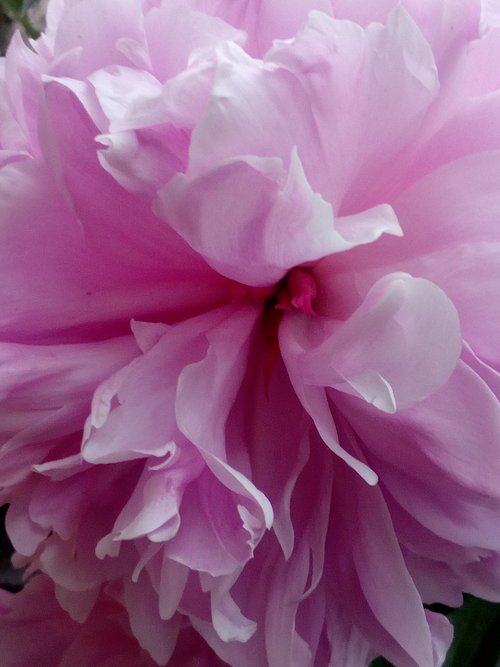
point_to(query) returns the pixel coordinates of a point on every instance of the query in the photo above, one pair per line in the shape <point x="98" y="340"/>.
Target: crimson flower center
<point x="296" y="291"/>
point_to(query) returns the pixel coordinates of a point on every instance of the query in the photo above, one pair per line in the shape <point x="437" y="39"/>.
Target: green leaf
<point x="477" y="634"/>
<point x="12" y="6"/>
<point x="16" y="11"/>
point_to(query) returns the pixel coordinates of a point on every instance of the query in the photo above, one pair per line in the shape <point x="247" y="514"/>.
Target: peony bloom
<point x="249" y="329"/>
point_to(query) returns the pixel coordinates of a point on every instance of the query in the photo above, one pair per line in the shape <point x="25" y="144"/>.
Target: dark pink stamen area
<point x="298" y="292"/>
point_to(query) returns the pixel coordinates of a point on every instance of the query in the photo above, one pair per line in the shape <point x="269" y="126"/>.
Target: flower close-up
<point x="249" y="316"/>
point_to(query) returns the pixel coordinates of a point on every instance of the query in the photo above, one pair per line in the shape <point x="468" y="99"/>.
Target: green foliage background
<point x="14" y="6"/>
<point x="15" y="12"/>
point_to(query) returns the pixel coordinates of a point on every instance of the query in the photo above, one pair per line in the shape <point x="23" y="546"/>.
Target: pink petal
<point x="22" y="70"/>
<point x="273" y="220"/>
<point x="149" y="386"/>
<point x="186" y="32"/>
<point x="97" y="25"/>
<point x="363" y="12"/>
<point x="471" y="524"/>
<point x="210" y="518"/>
<point x="436" y="213"/>
<point x="264" y="21"/>
<point x="218" y="375"/>
<point x="427" y="430"/>
<point x="156" y="636"/>
<point x="58" y="382"/>
<point x="448" y="25"/>
<point x="78" y="604"/>
<point x="397" y="348"/>
<point x="156" y="500"/>
<point x="343" y="145"/>
<point x="270" y="413"/>
<point x="375" y="577"/>
<point x="128" y="96"/>
<point x="469" y="274"/>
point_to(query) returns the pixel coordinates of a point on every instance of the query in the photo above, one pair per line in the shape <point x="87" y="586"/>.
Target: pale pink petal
<point x="374" y="573"/>
<point x="22" y="70"/>
<point x="97" y="25"/>
<point x="282" y="222"/>
<point x="139" y="162"/>
<point x="481" y="577"/>
<point x="363" y="12"/>
<point x="223" y="364"/>
<point x="426" y="435"/>
<point x="448" y="25"/>
<point x="173" y="580"/>
<point x="482" y="369"/>
<point x="38" y="376"/>
<point x="149" y="125"/>
<point x="207" y="387"/>
<point x="30" y="625"/>
<point x="154" y="506"/>
<point x="128" y="96"/>
<point x="186" y="32"/>
<point x="25" y="534"/>
<point x="228" y="621"/>
<point x="289" y="583"/>
<point x="149" y="385"/>
<point x="264" y="21"/>
<point x="434" y="580"/>
<point x="210" y="517"/>
<point x="248" y="95"/>
<point x="188" y="495"/>
<point x="13" y="144"/>
<point x="293" y="585"/>
<point x="143" y="257"/>
<point x="250" y="218"/>
<point x="115" y="427"/>
<point x="472" y="522"/>
<point x="441" y="636"/>
<point x="437" y="213"/>
<point x="397" y="348"/>
<point x="471" y="129"/>
<point x="349" y="646"/>
<point x="422" y="543"/>
<point x="469" y="274"/>
<point x="490" y="14"/>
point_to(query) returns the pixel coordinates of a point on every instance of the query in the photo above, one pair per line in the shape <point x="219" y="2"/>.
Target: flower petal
<point x="397" y="348"/>
<point x="347" y="138"/>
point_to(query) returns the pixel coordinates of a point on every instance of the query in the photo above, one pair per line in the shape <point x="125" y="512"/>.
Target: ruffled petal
<point x="344" y="146"/>
<point x="383" y="597"/>
<point x="400" y="345"/>
<point x="265" y="21"/>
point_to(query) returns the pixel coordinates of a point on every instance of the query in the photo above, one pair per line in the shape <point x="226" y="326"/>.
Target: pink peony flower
<point x="250" y="360"/>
